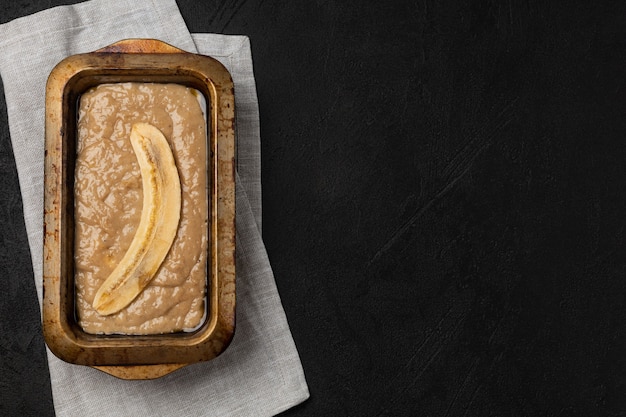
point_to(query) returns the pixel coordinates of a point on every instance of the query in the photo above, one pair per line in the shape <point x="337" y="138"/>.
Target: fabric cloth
<point x="260" y="373"/>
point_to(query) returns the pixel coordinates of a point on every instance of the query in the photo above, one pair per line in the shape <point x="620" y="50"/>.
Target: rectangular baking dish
<point x="137" y="357"/>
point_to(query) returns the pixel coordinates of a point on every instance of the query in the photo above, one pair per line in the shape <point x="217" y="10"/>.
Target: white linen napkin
<point x="260" y="373"/>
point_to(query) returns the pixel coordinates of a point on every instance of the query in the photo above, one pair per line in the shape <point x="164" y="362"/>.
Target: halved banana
<point x="157" y="228"/>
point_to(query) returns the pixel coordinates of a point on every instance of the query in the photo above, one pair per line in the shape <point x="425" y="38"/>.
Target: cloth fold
<point x="260" y="373"/>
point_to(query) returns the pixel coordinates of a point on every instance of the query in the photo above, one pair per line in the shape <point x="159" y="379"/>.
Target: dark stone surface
<point x="444" y="197"/>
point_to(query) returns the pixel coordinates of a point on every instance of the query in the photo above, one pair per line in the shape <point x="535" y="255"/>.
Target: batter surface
<point x="108" y="202"/>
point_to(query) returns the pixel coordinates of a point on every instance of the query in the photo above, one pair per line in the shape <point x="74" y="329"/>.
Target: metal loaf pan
<point x="137" y="357"/>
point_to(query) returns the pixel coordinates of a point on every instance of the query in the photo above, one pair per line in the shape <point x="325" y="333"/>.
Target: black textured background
<point x="444" y="198"/>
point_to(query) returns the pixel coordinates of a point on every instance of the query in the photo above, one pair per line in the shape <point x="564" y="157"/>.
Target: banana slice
<point x="157" y="228"/>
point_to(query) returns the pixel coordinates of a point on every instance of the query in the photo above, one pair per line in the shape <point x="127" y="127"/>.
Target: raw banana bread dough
<point x="108" y="203"/>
